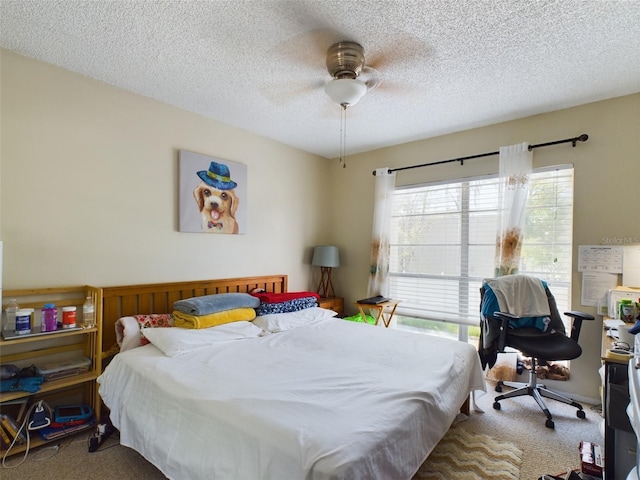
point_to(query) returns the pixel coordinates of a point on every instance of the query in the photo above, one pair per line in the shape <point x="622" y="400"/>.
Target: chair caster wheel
<point x="550" y="424"/>
<point x="499" y="388"/>
<point x="496" y="405"/>
<point x="580" y="414"/>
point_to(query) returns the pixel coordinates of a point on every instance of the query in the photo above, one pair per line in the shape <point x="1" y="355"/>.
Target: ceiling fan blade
<point x="399" y="54"/>
<point x="296" y="61"/>
<point x="317" y="33"/>
<point x="371" y="77"/>
<point x="284" y="93"/>
<point x="299" y="58"/>
<point x="394" y="88"/>
<point x="374" y="80"/>
<point x="307" y="48"/>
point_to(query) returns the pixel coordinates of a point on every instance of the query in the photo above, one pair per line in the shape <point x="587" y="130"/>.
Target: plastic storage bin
<point x="64" y="368"/>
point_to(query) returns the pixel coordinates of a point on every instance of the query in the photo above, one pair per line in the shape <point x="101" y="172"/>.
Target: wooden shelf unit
<point x="24" y="351"/>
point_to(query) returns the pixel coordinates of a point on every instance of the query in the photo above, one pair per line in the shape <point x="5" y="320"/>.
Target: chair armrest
<point x="576" y="325"/>
<point x="580" y="315"/>
<point x="504" y="317"/>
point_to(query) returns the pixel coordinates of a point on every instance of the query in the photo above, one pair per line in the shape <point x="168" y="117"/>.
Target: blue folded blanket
<point x="220" y="302"/>
<point x="286" y="307"/>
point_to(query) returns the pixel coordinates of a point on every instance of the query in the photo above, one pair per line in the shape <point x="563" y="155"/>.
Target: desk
<point x="385" y="310"/>
<point x="619" y="439"/>
<point x="608" y="343"/>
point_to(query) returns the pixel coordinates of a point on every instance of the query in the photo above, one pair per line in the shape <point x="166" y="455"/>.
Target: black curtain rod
<point x="582" y="138"/>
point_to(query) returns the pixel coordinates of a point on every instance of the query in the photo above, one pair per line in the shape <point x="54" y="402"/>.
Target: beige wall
<point x="88" y="189"/>
<point x="89" y="178"/>
<point x="606" y="205"/>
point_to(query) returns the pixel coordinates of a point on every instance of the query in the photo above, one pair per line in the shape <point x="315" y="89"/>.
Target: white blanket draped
<point x="520" y="295"/>
<point x="330" y="400"/>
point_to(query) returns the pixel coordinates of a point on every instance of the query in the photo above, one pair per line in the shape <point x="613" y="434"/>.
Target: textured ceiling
<point x="445" y="66"/>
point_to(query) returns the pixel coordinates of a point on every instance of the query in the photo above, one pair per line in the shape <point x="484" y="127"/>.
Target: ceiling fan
<point x="351" y="79"/>
<point x="386" y="68"/>
<point x="346" y="63"/>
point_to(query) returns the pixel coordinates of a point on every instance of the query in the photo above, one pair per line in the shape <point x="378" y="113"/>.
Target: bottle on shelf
<point x="10" y="315"/>
<point x="24" y="318"/>
<point x="49" y="317"/>
<point x="88" y="313"/>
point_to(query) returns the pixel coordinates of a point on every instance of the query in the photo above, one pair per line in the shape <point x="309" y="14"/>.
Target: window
<point x="443" y="238"/>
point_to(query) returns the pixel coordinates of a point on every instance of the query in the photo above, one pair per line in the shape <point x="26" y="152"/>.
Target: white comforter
<point x="329" y="400"/>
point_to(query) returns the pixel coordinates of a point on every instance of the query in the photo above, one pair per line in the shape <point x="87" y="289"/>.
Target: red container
<point x="68" y="317"/>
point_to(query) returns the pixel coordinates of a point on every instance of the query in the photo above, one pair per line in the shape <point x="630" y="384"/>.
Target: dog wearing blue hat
<point x="217" y="200"/>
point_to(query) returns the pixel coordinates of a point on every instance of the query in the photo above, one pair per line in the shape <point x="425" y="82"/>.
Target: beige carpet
<point x="520" y="423"/>
<point x="466" y="455"/>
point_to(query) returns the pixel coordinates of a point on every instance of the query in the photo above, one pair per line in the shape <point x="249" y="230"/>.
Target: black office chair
<point x="541" y="337"/>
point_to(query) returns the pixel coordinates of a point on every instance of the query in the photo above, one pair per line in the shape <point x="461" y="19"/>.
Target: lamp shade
<point x="326" y="256"/>
<point x="345" y="91"/>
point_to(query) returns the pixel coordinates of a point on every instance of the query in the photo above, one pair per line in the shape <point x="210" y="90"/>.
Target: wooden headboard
<point x="159" y="297"/>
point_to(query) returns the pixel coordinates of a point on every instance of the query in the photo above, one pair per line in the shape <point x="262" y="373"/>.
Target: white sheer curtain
<point x="379" y="266"/>
<point x="515" y="171"/>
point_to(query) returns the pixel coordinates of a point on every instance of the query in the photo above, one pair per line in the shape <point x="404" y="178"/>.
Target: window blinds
<point x="443" y="243"/>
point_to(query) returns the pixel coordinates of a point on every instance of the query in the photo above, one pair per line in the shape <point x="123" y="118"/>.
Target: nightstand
<point x="333" y="303"/>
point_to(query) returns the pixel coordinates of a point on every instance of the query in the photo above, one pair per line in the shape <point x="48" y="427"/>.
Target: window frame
<point x="466" y="281"/>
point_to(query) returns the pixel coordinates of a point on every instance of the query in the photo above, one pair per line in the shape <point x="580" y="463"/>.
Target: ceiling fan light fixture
<point x="345" y="91"/>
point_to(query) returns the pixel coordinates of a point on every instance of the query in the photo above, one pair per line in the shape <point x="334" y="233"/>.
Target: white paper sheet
<point x="631" y="266"/>
<point x="595" y="288"/>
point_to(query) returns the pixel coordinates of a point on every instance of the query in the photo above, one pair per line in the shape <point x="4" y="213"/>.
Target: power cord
<point x="40" y="420"/>
<point x="39" y="456"/>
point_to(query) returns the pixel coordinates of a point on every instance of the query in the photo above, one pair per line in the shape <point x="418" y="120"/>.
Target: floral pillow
<point x="129" y="329"/>
<point x="153" y="320"/>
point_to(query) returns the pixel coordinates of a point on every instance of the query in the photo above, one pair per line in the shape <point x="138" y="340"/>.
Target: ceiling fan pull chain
<point x="343" y="135"/>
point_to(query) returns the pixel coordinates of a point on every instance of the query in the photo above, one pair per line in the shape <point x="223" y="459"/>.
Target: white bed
<point x="326" y="399"/>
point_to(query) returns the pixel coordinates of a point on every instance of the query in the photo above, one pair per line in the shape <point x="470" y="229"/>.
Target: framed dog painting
<point x="213" y="194"/>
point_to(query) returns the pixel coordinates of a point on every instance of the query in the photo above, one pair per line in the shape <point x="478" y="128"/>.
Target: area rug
<point x="462" y="455"/>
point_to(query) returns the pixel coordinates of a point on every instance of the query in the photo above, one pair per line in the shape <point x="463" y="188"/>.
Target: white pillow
<point x="178" y="341"/>
<point x="278" y="322"/>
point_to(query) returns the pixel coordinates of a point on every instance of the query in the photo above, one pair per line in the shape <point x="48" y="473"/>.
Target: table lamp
<point x="326" y="257"/>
